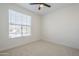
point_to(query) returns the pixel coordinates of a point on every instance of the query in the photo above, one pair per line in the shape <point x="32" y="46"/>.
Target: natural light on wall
<point x="19" y="24"/>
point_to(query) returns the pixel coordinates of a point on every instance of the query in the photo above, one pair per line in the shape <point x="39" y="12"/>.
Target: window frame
<point x="21" y="25"/>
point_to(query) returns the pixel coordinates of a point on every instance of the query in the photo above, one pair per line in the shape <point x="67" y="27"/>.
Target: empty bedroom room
<point x="39" y="29"/>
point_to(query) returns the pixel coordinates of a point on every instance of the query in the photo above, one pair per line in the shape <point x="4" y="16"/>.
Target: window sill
<point x="16" y="37"/>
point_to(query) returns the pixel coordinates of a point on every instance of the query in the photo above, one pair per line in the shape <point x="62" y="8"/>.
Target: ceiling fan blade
<point x="46" y="5"/>
<point x="40" y="3"/>
<point x="34" y="3"/>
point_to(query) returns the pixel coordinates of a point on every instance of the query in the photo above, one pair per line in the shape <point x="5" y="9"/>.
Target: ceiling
<point x="44" y="10"/>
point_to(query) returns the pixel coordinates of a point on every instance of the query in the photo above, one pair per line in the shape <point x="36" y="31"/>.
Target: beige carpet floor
<point x="41" y="48"/>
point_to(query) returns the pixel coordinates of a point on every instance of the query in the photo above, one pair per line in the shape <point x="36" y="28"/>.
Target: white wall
<point x="62" y="26"/>
<point x="5" y="42"/>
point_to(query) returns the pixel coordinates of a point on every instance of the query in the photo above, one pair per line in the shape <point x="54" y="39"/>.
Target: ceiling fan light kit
<point x="41" y="5"/>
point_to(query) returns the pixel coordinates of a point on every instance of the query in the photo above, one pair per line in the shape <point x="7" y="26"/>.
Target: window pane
<point x="23" y="20"/>
<point x="11" y="16"/>
<point x="18" y="18"/>
<point x="11" y="35"/>
<point x="24" y="30"/>
<point x="17" y="30"/>
<point x="28" y="20"/>
<point x="12" y="29"/>
<point x="28" y="29"/>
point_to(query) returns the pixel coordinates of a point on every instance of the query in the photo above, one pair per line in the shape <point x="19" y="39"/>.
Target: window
<point x="19" y="24"/>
